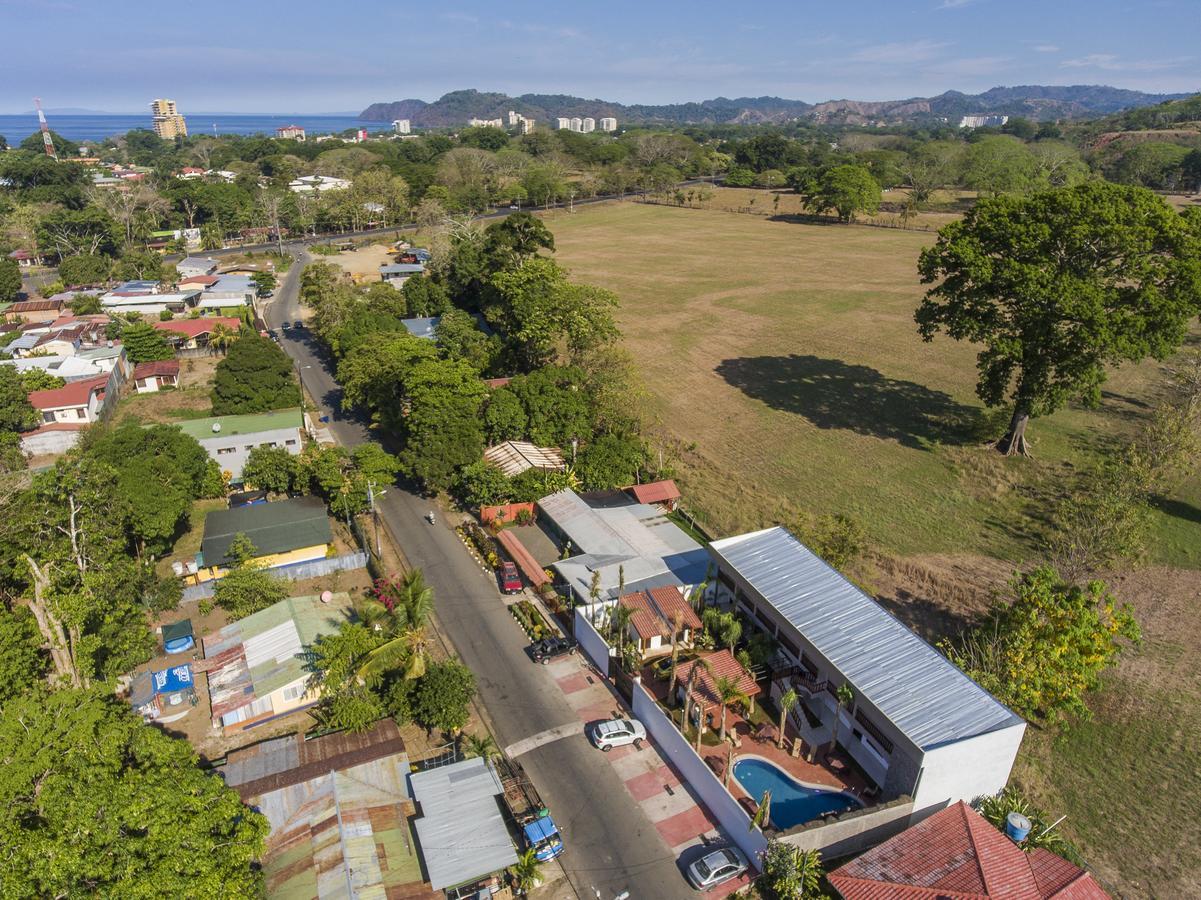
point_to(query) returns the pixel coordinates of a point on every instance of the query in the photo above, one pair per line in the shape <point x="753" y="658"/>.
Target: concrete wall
<point x="967" y="769"/>
<point x="852" y="832"/>
<point x="591" y="642"/>
<point x="47" y="442"/>
<point x="675" y="748"/>
<point x="237" y="444"/>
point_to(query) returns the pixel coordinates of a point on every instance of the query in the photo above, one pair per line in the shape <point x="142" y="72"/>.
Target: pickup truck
<point x="538" y="828"/>
<point x="510" y="581"/>
<point x="548" y="648"/>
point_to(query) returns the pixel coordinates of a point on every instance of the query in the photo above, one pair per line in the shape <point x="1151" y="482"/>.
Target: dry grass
<point x="189" y="401"/>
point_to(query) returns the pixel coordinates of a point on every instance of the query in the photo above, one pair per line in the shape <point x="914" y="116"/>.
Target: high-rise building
<point x="608" y="124"/>
<point x="514" y="117"/>
<point x="577" y="124"/>
<point x="563" y="123"/>
<point x="982" y="121"/>
<point x="167" y="122"/>
<point x="401" y="126"/>
<point x="587" y="124"/>
<point x="290" y="133"/>
<point x="527" y="125"/>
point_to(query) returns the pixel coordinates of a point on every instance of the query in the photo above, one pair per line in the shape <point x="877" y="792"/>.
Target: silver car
<point x="717" y="868"/>
<point x="617" y="733"/>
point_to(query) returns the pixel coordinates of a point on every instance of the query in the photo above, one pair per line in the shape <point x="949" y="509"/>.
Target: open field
<point x="190" y="400"/>
<point x="785" y="376"/>
<point x="783" y="366"/>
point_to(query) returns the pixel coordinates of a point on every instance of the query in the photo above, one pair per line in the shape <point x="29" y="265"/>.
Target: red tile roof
<point x="722" y="664"/>
<point x="956" y="853"/>
<point x="655" y="491"/>
<point x="156" y="368"/>
<point x="199" y="279"/>
<point x="493" y="383"/>
<point x="654" y="611"/>
<point x="643" y="616"/>
<point x="77" y="393"/>
<point x="193" y="328"/>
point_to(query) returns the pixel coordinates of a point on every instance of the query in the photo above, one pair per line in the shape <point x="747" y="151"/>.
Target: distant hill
<point x="1032" y="101"/>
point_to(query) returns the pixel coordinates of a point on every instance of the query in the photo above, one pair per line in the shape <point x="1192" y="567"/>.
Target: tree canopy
<point x="1059" y="285"/>
<point x="254" y="376"/>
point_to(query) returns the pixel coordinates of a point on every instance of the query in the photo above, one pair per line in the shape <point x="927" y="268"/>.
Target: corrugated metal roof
<point x="461" y="829"/>
<point x="272" y="527"/>
<point x="930" y="700"/>
<point x="515" y="457"/>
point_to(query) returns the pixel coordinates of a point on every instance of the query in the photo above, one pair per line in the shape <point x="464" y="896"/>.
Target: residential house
<point x="307" y="183"/>
<point x="193" y="334"/>
<point x="150" y="377"/>
<point x="654" y="616"/>
<point x="68" y="368"/>
<point x="34" y="310"/>
<point x="396" y="274"/>
<point x="710" y="667"/>
<point x="27" y="259"/>
<point x="424" y="327"/>
<point x="137" y="287"/>
<point x="515" y="457"/>
<point x="338" y="806"/>
<point x="257" y="668"/>
<point x="228" y="291"/>
<point x="76" y="403"/>
<point x="196" y="265"/>
<point x="631" y="545"/>
<point x="229" y="439"/>
<point x="656" y="493"/>
<point x="284" y="532"/>
<point x="461" y="829"/>
<point x="149" y="304"/>
<point x="956" y="853"/>
<point x="197" y="281"/>
<point x="917" y="725"/>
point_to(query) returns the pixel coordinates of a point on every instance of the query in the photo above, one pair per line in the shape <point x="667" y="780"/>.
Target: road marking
<point x="525" y="745"/>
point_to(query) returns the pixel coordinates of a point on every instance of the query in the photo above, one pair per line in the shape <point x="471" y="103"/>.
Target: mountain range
<point x="1039" y="102"/>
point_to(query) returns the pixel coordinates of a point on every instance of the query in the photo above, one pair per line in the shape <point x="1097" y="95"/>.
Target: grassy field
<point x="783" y="366"/>
<point x="784" y="376"/>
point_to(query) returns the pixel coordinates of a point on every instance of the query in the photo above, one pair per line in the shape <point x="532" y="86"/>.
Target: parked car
<point x="717" y="868"/>
<point x="510" y="581"/>
<point x="548" y="648"/>
<point x="617" y="733"/>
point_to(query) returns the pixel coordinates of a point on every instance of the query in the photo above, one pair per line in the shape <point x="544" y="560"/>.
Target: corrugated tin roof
<point x="515" y="457"/>
<point x="461" y="829"/>
<point x="655" y="491"/>
<point x="272" y="527"/>
<point x="930" y="700"/>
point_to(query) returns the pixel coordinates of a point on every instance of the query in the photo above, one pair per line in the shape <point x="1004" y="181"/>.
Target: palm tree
<point x="788" y="700"/>
<point x="693" y="677"/>
<point x="527" y="871"/>
<point x="619" y="621"/>
<point x="221" y="337"/>
<point x="728" y="693"/>
<point x="762" y="813"/>
<point x="677" y="622"/>
<point x="401" y="624"/>
<point x="846" y="697"/>
<point x="482" y="746"/>
<point x="809" y="871"/>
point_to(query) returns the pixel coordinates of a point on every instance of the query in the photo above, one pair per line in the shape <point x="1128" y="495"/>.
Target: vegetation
<point x="789" y="873"/>
<point x="254" y="376"/>
<point x="997" y="808"/>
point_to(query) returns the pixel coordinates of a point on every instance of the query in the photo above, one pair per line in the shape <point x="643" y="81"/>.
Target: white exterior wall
<point x="967" y="769"/>
<point x="237" y="446"/>
<point x="590" y="641"/>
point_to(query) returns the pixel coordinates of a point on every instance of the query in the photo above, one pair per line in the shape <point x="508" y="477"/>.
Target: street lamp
<point x="371" y="495"/>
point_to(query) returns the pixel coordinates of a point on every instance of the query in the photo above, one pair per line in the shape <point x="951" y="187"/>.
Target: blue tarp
<point x="176" y="678"/>
<point x="543" y="835"/>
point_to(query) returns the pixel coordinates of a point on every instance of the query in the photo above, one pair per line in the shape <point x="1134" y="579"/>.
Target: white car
<point x="717" y="867"/>
<point x="617" y="733"/>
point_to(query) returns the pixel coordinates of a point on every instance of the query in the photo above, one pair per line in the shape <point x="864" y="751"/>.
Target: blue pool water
<point x="791" y="803"/>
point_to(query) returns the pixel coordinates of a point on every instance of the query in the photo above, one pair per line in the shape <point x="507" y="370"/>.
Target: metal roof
<point x="246" y="423"/>
<point x="423" y="327"/>
<point x="515" y="457"/>
<point x="461" y="830"/>
<point x="272" y="527"/>
<point x="917" y="688"/>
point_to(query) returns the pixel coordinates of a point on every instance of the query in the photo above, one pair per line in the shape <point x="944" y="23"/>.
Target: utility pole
<point x="375" y="515"/>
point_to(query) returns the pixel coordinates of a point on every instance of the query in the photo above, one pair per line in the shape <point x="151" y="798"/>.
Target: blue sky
<point x="307" y="57"/>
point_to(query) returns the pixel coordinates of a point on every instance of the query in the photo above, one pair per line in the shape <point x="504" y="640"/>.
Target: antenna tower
<point x="46" y="140"/>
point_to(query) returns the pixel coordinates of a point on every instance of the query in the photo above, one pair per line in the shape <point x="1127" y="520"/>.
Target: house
<point x="338" y="807"/>
<point x="717" y="665"/>
<point x="284" y="532"/>
<point x="461" y="828"/>
<point x="228" y="291"/>
<point x="137" y="287"/>
<point x="193" y="334"/>
<point x="34" y="310"/>
<point x="631" y="545"/>
<point x="149" y="304"/>
<point x="515" y="457"/>
<point x="75" y="403"/>
<point x="27" y="259"/>
<point x="653" y="617"/>
<point x="150" y="377"/>
<point x="306" y="183"/>
<point x="256" y="666"/>
<point x="196" y="265"/>
<point x="197" y="281"/>
<point x="664" y="493"/>
<point x="229" y="439"/>
<point x="956" y="853"/>
<point x="917" y="725"/>
<point x="68" y="368"/>
<point x="396" y="274"/>
<point x="290" y="133"/>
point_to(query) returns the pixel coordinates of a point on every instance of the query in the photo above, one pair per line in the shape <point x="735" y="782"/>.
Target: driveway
<point x="612" y="846"/>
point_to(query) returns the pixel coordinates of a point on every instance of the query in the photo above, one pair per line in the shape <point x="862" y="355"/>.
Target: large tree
<point x="16" y="414"/>
<point x="95" y="803"/>
<point x="10" y="279"/>
<point x="144" y="343"/>
<point x="255" y="376"/>
<point x="1057" y="286"/>
<point x="846" y="189"/>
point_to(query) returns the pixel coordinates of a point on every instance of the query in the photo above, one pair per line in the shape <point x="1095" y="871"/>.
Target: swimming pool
<point x="791" y="802"/>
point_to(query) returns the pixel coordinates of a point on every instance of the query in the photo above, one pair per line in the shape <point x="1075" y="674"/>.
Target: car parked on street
<point x="510" y="580"/>
<point x="548" y="648"/>
<point x="617" y="733"/>
<point x="717" y="868"/>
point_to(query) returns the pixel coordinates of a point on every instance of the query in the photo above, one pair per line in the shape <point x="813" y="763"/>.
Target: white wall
<point x="674" y="747"/>
<point x="967" y="769"/>
<point x="590" y="641"/>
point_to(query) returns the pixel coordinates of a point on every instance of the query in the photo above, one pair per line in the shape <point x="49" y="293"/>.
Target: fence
<point x="315" y="568"/>
<point x="590" y="641"/>
<point x="675" y="748"/>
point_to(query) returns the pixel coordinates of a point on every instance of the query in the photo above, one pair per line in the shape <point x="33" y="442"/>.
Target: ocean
<point x="98" y="127"/>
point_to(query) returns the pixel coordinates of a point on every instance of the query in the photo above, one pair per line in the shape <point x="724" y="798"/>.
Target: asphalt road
<point x="611" y="846"/>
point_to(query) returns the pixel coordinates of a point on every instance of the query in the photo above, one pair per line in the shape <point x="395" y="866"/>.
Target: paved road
<point x="612" y="846"/>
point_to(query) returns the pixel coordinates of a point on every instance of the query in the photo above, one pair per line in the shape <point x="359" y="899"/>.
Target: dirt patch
<point x="362" y="263"/>
<point x="937" y="595"/>
<point x="190" y="400"/>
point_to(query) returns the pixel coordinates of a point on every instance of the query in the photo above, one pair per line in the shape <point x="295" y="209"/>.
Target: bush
<point x="443" y="697"/>
<point x="246" y="589"/>
<point x="255" y="376"/>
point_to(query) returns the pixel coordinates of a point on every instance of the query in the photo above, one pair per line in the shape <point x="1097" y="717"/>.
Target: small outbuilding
<point x="515" y="457"/>
<point x="151" y="377"/>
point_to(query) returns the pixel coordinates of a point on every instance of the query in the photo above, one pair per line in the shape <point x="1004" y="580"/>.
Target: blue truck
<point x="538" y="828"/>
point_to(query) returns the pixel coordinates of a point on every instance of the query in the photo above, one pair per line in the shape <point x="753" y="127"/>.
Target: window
<point x="47" y="417"/>
<point x="765" y="621"/>
<point x="249" y="447"/>
<point x="295" y="691"/>
<point x="290" y="443"/>
<point x="225" y="451"/>
<point x="141" y="382"/>
<point x="789" y="646"/>
<point x="81" y="413"/>
<point x="874" y="732"/>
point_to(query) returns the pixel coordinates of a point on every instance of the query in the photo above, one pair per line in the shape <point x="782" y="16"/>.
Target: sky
<point x="312" y="57"/>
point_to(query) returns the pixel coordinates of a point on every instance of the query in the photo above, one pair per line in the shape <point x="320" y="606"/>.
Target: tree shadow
<point x="1178" y="509"/>
<point x="833" y="394"/>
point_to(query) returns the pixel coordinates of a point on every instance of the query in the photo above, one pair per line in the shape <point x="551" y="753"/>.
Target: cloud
<point x="1109" y="62"/>
<point x="899" y="52"/>
<point x="461" y="17"/>
<point x="954" y="4"/>
<point x="1045" y="48"/>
